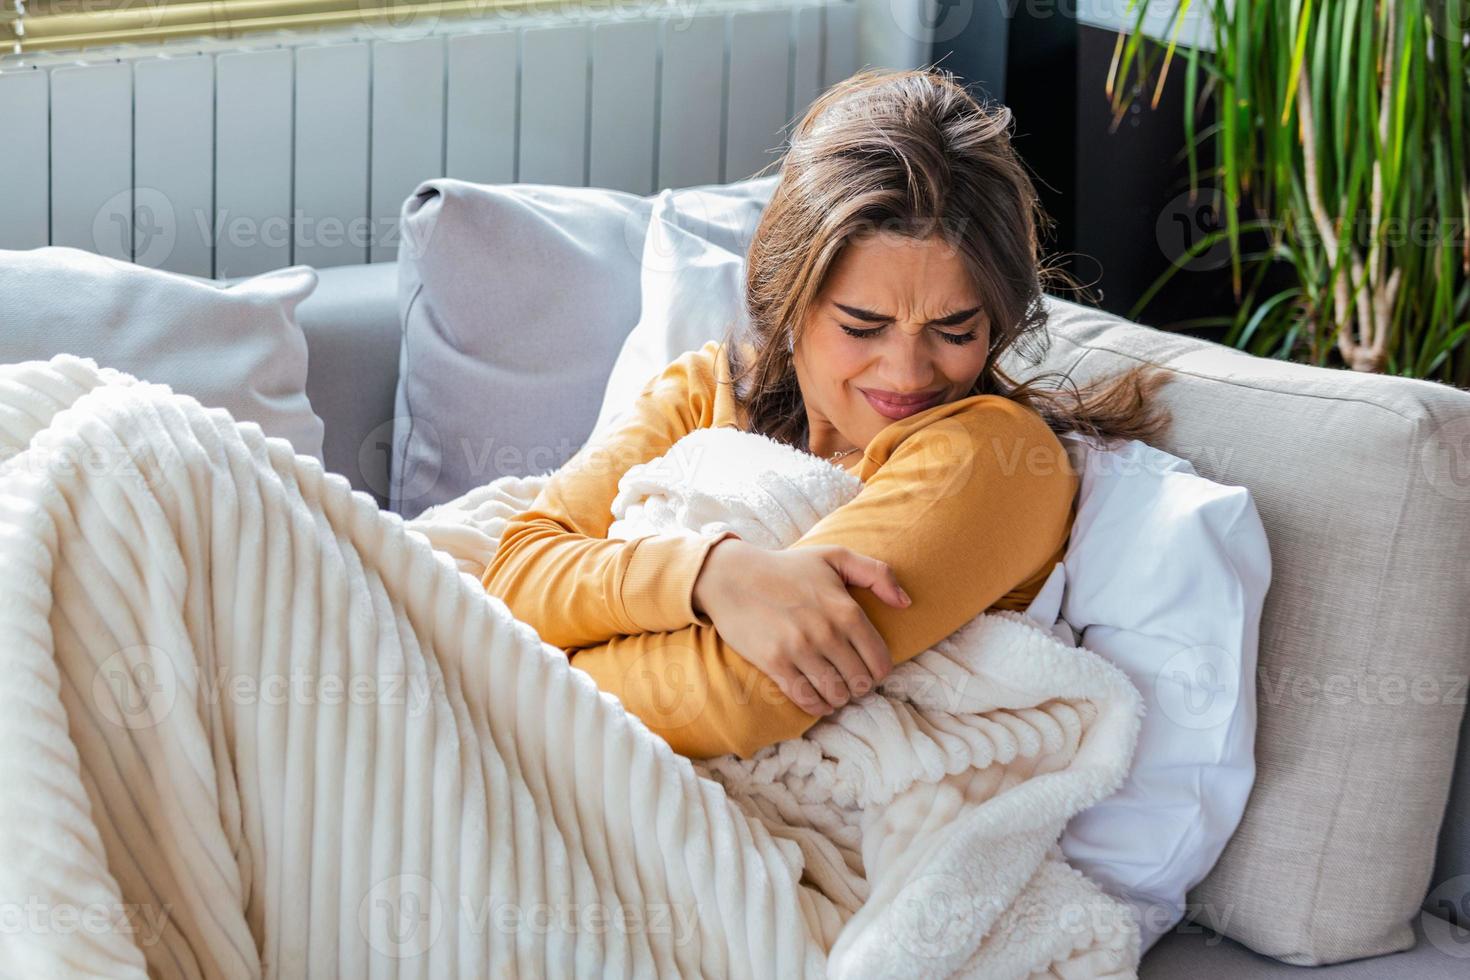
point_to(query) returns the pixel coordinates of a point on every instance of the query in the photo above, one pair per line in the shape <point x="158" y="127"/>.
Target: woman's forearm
<point x="695" y="691"/>
<point x="555" y="567"/>
<point x="578" y="590"/>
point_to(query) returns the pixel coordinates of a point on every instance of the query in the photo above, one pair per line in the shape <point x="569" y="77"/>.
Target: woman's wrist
<point x="706" y="579"/>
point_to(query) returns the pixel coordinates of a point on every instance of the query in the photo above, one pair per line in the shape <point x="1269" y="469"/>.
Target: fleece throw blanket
<point x="252" y="726"/>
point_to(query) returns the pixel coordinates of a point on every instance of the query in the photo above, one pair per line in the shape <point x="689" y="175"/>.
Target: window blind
<point x="44" y="25"/>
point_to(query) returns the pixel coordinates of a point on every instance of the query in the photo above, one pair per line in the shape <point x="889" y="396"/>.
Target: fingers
<point x="835" y="654"/>
<point x="856" y="678"/>
<point x="868" y="573"/>
<point x="856" y="569"/>
<point x="835" y="671"/>
<point x="801" y="689"/>
<point x="830" y="688"/>
<point x="870" y="647"/>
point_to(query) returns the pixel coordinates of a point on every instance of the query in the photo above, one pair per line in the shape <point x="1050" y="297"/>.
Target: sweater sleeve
<point x="555" y="568"/>
<point x="971" y="503"/>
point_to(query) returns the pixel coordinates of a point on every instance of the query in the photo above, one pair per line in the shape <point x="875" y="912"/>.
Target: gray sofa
<point x="352" y="329"/>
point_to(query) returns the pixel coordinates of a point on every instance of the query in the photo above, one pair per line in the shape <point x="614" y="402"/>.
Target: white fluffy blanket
<point x="252" y="726"/>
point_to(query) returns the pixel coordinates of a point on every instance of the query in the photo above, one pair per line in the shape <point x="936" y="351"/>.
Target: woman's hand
<point x="789" y="613"/>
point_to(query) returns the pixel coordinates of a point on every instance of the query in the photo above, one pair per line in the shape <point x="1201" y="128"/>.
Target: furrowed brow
<point x="955" y="319"/>
<point x="870" y="316"/>
<point x="867" y="316"/>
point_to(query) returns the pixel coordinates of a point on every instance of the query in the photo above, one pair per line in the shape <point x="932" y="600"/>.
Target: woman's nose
<point x="909" y="366"/>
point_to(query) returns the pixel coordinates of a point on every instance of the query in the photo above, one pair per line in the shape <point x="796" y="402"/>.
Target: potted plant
<point x="1339" y="143"/>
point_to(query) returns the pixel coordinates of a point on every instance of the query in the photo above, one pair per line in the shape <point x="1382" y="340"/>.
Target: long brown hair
<point x="914" y="152"/>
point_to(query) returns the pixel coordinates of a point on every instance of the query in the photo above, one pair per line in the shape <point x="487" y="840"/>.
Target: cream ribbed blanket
<point x="252" y="726"/>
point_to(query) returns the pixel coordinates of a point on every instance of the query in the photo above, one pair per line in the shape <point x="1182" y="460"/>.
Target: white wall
<point x="1114" y="15"/>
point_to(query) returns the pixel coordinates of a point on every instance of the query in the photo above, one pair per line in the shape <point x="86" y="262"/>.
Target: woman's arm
<point x="969" y="503"/>
<point x="555" y="568"/>
<point x="971" y="507"/>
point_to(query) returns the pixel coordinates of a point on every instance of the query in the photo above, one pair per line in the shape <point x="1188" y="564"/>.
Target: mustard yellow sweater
<point x="970" y="502"/>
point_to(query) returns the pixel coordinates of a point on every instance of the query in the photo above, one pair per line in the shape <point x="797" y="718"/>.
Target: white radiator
<point x="228" y="158"/>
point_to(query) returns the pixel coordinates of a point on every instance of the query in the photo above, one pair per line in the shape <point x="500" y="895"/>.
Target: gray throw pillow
<point x="237" y="348"/>
<point x="515" y="301"/>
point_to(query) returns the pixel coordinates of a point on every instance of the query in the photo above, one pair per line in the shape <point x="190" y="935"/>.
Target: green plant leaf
<point x="1299" y="50"/>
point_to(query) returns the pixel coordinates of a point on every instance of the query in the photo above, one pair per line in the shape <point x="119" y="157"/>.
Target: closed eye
<point x="953" y="338"/>
<point x="954" y="319"/>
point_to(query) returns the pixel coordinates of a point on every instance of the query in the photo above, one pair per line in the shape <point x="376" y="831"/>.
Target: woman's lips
<point x="896" y="407"/>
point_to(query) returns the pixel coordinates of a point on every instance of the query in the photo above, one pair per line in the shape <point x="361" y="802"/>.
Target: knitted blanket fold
<point x="253" y="726"/>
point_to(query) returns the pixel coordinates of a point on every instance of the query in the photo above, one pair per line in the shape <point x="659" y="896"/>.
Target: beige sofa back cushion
<point x="1363" y="484"/>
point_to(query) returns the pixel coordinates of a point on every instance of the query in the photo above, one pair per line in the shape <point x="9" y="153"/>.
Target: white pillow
<point x="1165" y="574"/>
<point x="692" y="291"/>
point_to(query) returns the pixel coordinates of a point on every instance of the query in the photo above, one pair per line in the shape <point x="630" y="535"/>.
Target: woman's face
<point x="896" y="328"/>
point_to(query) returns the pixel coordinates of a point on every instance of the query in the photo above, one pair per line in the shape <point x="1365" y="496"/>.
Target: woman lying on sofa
<point x="897" y="260"/>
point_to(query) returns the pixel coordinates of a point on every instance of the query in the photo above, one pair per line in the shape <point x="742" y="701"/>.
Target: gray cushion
<point x="352" y="332"/>
<point x="1363" y="485"/>
<point x="515" y="301"/>
<point x="1192" y="952"/>
<point x="235" y="347"/>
